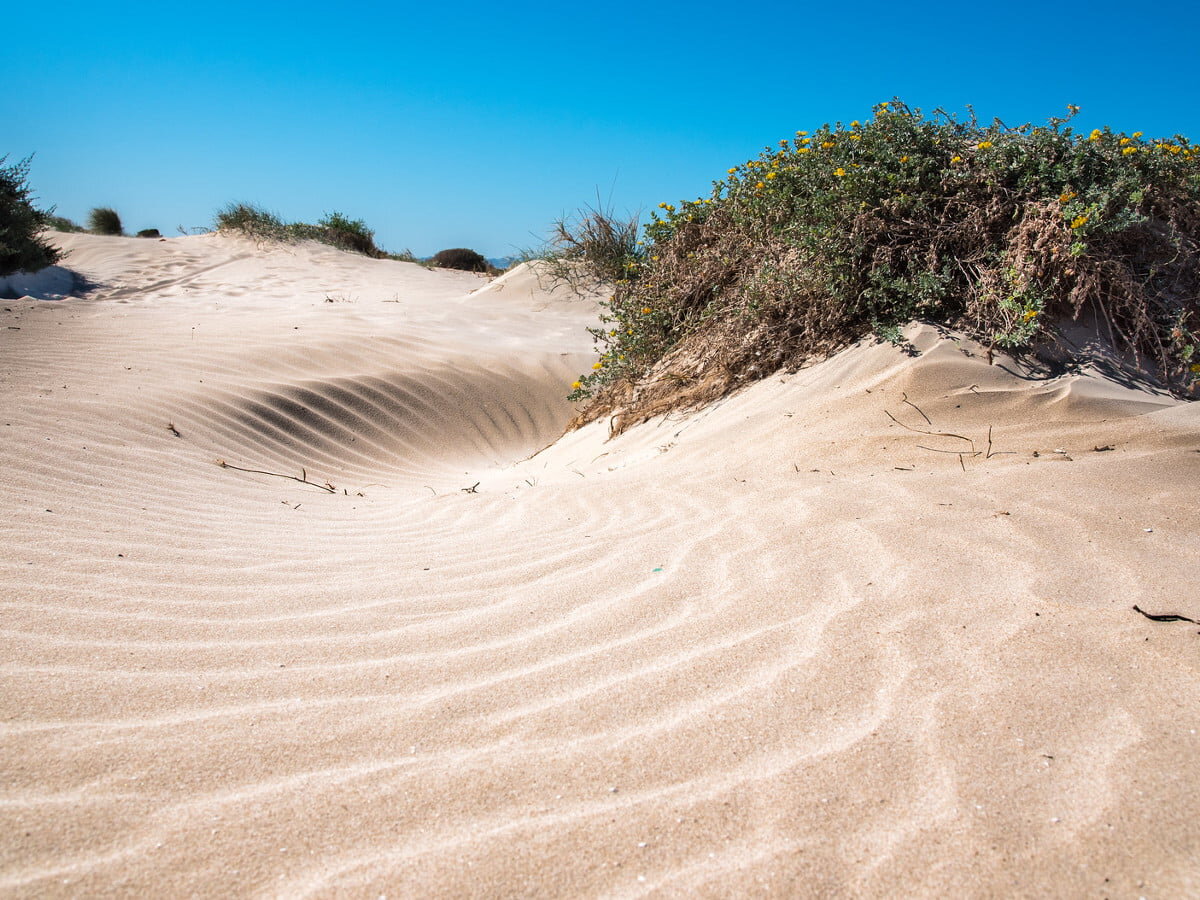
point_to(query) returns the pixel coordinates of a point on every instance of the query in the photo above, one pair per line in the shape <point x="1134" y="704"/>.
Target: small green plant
<point x="856" y="228"/>
<point x="334" y="229"/>
<point x="22" y="245"/>
<point x="61" y="223"/>
<point x="104" y="220"/>
<point x="461" y="258"/>
<point x="251" y="221"/>
<point x="149" y="233"/>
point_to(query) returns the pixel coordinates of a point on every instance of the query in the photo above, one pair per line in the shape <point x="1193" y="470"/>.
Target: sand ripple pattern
<point x="772" y="650"/>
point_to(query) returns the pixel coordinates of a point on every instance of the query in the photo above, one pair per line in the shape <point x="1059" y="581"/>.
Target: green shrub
<point x="251" y="221"/>
<point x="461" y="258"/>
<point x="103" y="220"/>
<point x="61" y="223"/>
<point x="860" y="228"/>
<point x="22" y="246"/>
<point x="149" y="233"/>
<point x="334" y="229"/>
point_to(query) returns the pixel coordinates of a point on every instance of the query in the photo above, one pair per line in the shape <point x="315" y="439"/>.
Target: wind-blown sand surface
<point x="775" y="648"/>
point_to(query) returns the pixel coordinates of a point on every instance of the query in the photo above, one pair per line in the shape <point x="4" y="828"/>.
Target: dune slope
<point x="860" y="630"/>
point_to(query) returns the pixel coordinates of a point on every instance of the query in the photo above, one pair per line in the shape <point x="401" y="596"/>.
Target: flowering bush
<point x="863" y="227"/>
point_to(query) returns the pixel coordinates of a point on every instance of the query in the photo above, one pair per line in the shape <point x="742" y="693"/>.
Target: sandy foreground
<point x="785" y="646"/>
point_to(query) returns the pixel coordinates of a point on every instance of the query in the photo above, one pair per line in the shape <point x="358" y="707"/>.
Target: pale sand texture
<point x="774" y="648"/>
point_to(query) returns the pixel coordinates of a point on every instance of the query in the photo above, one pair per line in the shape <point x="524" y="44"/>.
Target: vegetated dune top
<point x="863" y="629"/>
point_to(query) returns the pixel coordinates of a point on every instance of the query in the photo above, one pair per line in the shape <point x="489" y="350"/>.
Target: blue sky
<point x="472" y="124"/>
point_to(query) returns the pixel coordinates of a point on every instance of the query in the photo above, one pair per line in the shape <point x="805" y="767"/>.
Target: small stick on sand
<point x="1166" y="617"/>
<point x="302" y="477"/>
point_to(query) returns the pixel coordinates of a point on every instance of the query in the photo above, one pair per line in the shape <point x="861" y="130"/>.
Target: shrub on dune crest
<point x="334" y="229"/>
<point x="22" y="246"/>
<point x="104" y="220"/>
<point x="860" y="228"/>
<point x="461" y="258"/>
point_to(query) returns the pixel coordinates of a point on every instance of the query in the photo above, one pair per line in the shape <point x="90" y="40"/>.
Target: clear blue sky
<point x="472" y="124"/>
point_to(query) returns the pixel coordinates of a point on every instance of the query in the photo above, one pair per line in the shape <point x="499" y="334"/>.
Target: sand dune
<point x="862" y="630"/>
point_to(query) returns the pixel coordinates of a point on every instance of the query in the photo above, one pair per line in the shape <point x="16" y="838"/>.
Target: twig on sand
<point x="948" y="434"/>
<point x="473" y="489"/>
<point x="904" y="399"/>
<point x="302" y="477"/>
<point x="171" y="428"/>
<point x="1166" y="617"/>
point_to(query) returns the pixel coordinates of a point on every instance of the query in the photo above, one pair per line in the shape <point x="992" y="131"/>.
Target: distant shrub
<point x="103" y="220"/>
<point x="251" y="221"/>
<point x="404" y="255"/>
<point x="149" y="233"/>
<point x="61" y="223"/>
<point x="334" y="229"/>
<point x="22" y="246"/>
<point x="461" y="258"/>
<point x="346" y="233"/>
<point x="857" y="229"/>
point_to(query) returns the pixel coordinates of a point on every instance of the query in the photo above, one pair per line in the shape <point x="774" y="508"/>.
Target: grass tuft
<point x="104" y="220"/>
<point x="856" y="229"/>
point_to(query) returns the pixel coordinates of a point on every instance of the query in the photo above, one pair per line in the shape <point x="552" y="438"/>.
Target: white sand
<point x="774" y="648"/>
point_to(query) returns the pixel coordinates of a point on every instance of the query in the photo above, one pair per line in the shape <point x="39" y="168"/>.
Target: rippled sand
<point x="801" y="643"/>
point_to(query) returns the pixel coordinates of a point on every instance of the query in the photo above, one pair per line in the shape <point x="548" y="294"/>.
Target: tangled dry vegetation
<point x="855" y="229"/>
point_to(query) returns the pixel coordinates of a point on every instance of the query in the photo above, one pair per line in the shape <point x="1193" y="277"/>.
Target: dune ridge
<point x="787" y="645"/>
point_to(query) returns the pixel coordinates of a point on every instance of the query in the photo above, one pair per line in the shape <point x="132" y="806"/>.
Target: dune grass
<point x="859" y="228"/>
<point x="105" y="220"/>
<point x="334" y="228"/>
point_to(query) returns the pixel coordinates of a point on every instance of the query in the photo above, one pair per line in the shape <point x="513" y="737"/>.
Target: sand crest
<point x="862" y="630"/>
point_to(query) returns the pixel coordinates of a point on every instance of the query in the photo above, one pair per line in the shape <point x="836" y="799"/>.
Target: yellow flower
<point x="802" y="150"/>
<point x="855" y="137"/>
<point x="1031" y="314"/>
<point x="804" y="142"/>
<point x="904" y="159"/>
<point x="662" y="206"/>
<point x="597" y="365"/>
<point x="839" y="172"/>
<point x="1079" y="221"/>
<point x="1125" y="151"/>
<point x="645" y="312"/>
<point x="1137" y="134"/>
<point x="883" y="105"/>
<point x="760" y="186"/>
<point x="731" y="171"/>
<point x="1096" y="135"/>
<point x="827" y="144"/>
<point x="576" y="385"/>
<point x="1067" y="197"/>
<point x="1125" y="141"/>
<point x="854" y="124"/>
<point x="770" y="175"/>
<point x="801" y="134"/>
<point x="983" y="145"/>
<point x="956" y="159"/>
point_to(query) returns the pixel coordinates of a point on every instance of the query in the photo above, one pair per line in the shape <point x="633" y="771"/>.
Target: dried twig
<point x="1166" y="617"/>
<point x="930" y="433"/>
<point x="302" y="477"/>
<point x="904" y="399"/>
